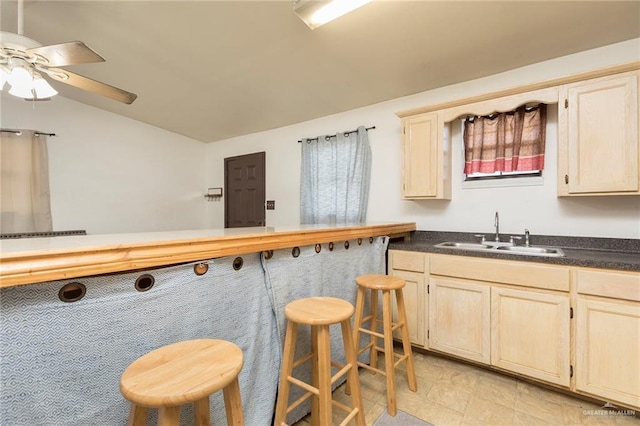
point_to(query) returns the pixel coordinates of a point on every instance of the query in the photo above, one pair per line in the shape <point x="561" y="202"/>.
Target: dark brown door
<point x="245" y="190"/>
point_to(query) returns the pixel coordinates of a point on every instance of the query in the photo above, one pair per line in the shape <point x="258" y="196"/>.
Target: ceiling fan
<point x="24" y="62"/>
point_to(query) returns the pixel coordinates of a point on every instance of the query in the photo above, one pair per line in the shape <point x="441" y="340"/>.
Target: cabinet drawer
<point x="502" y="271"/>
<point x="619" y="285"/>
<point x="407" y="260"/>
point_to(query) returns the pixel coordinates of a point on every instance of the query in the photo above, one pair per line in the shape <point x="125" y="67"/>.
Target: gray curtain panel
<point x="335" y="178"/>
<point x="330" y="273"/>
<point x="61" y="362"/>
<point x="25" y="204"/>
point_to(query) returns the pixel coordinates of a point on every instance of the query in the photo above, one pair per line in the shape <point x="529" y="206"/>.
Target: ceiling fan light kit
<point x="24" y="57"/>
<point x="42" y="89"/>
<point x="315" y="13"/>
<point x="24" y="64"/>
<point x="25" y="81"/>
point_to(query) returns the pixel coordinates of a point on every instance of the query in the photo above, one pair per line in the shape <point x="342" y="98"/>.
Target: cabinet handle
<point x="566" y="179"/>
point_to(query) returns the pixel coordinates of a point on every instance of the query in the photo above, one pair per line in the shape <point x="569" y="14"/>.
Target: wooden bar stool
<point x="386" y="284"/>
<point x="182" y="373"/>
<point x="319" y="313"/>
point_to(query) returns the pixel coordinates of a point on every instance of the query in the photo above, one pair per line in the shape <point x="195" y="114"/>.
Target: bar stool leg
<point x="201" y="415"/>
<point x="233" y="404"/>
<point x="389" y="358"/>
<point x="324" y="374"/>
<point x="353" y="381"/>
<point x="287" y="368"/>
<point x="169" y="416"/>
<point x="357" y="322"/>
<point x="137" y="416"/>
<point x="373" y="355"/>
<point x="315" y="378"/>
<point x="406" y="344"/>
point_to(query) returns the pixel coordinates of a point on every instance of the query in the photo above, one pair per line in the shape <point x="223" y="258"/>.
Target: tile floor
<point x="454" y="393"/>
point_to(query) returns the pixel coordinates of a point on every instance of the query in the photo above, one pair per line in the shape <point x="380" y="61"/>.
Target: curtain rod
<point x="19" y="132"/>
<point x="330" y="136"/>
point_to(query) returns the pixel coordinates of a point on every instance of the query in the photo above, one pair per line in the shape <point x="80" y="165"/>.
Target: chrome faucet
<point x="497" y="225"/>
<point x="526" y="238"/>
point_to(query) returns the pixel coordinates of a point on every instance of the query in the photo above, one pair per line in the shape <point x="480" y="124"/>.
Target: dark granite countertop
<point x="606" y="253"/>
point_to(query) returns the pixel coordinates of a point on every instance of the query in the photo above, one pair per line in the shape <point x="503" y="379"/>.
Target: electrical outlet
<point x="271" y="205"/>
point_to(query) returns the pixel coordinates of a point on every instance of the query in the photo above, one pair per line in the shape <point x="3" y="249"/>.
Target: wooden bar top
<point x="33" y="260"/>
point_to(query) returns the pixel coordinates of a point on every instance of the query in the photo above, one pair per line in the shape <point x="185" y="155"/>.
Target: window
<point x="505" y="145"/>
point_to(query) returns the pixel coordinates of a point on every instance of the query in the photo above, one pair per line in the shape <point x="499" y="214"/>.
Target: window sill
<point x="503" y="183"/>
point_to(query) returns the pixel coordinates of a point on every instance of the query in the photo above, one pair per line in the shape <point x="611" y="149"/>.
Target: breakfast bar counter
<point x="77" y="310"/>
<point x="27" y="261"/>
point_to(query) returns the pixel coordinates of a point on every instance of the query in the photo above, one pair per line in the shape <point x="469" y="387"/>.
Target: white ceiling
<point x="212" y="70"/>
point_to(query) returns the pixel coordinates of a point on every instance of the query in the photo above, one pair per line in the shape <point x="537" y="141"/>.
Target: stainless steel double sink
<point x="505" y="248"/>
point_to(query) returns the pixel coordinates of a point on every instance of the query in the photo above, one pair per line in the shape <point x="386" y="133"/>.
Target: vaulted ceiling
<point x="212" y="70"/>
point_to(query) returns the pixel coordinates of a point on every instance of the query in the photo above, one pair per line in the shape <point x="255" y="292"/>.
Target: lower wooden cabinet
<point x="459" y="318"/>
<point x="608" y="335"/>
<point x="608" y="349"/>
<point x="517" y="316"/>
<point x="410" y="267"/>
<point x="530" y="334"/>
<point x="413" y="294"/>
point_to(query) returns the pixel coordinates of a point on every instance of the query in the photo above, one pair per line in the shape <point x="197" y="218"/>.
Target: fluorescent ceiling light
<point x="315" y="13"/>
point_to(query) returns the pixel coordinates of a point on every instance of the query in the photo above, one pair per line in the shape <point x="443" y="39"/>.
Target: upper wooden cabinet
<point x="598" y="146"/>
<point x="426" y="160"/>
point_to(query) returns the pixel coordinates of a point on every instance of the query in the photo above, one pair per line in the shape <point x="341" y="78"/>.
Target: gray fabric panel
<point x="61" y="362"/>
<point x="328" y="273"/>
<point x="335" y="178"/>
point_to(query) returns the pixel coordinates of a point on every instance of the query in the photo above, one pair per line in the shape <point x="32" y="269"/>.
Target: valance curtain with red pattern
<point x="506" y="142"/>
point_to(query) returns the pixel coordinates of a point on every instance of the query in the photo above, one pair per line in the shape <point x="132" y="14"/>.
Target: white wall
<point x="471" y="210"/>
<point x="110" y="174"/>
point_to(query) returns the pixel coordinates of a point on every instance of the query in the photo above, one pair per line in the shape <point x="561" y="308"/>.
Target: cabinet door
<point x="413" y="293"/>
<point x="459" y="318"/>
<point x="608" y="349"/>
<point x="598" y="136"/>
<point x="420" y="145"/>
<point x="530" y="334"/>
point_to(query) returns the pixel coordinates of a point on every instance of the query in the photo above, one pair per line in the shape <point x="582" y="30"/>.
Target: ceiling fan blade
<point x="90" y="85"/>
<point x="71" y="53"/>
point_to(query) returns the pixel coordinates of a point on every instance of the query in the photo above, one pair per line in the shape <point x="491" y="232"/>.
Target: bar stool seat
<point x="386" y="284"/>
<point x="319" y="313"/>
<point x="182" y="373"/>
